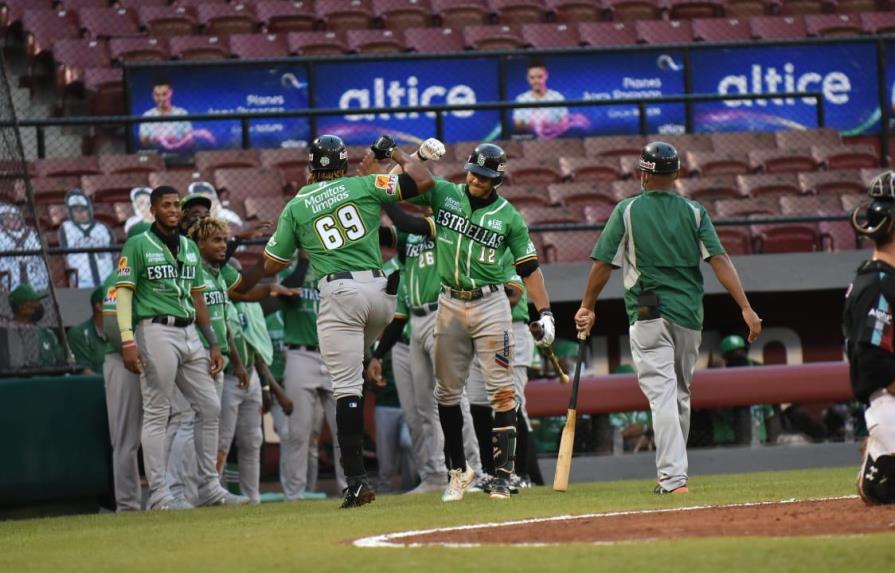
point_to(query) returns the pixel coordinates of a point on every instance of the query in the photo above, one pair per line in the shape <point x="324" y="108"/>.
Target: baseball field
<point x="835" y="535"/>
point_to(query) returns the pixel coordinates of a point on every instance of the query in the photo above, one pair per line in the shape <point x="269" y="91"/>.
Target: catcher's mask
<point x="876" y="219"/>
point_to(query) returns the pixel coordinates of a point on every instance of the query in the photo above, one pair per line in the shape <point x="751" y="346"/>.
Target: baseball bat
<point x="567" y="443"/>
<point x="551" y="356"/>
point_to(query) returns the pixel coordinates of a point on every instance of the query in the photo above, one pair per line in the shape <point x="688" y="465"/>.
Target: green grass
<point x="315" y="536"/>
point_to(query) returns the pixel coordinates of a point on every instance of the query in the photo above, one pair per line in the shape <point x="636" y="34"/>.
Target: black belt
<point x="424" y="309"/>
<point x="349" y="275"/>
<point x="467" y="295"/>
<point x="305" y="347"/>
<point x="172" y="321"/>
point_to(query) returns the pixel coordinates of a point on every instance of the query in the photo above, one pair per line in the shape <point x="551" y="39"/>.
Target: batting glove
<point x="547" y="327"/>
<point x="383" y="147"/>
<point x="431" y="150"/>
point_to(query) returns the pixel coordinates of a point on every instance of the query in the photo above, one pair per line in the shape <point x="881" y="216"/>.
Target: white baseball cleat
<point x="459" y="482"/>
<point x="427" y="486"/>
<point x="230" y="499"/>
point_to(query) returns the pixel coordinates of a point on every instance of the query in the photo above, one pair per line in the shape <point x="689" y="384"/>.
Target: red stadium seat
<point x="196" y="3"/>
<point x="433" y="40"/>
<point x="52" y="189"/>
<point x="722" y="30"/>
<point x="211" y="161"/>
<point x="402" y="14"/>
<point x="746" y="8"/>
<point x="581" y="169"/>
<point x="260" y="182"/>
<point x="834" y="183"/>
<point x="581" y="194"/>
<point x="286" y="15"/>
<point x="199" y="48"/>
<point x="12" y="11"/>
<point x="248" y="46"/>
<point x="534" y="215"/>
<point x="134" y="4"/>
<point x="131" y="163"/>
<point x="109" y="22"/>
<point x="459" y="14"/>
<point x="104" y="88"/>
<point x="263" y="208"/>
<point x="113" y="188"/>
<point x="718" y="163"/>
<point x="736" y="142"/>
<point x="614" y="145"/>
<point x="777" y="28"/>
<point x="626" y="188"/>
<point x="67" y="166"/>
<point x="79" y="4"/>
<point x="786" y="160"/>
<point x="533" y="172"/>
<point x="574" y="11"/>
<point x="735" y="240"/>
<point x="598" y="211"/>
<point x="453" y="171"/>
<point x="569" y="246"/>
<point x="168" y="21"/>
<point x="706" y="188"/>
<point x="292" y="162"/>
<point x="375" y="41"/>
<point x="138" y="49"/>
<point x="846" y="156"/>
<point x="512" y="147"/>
<point x="226" y="19"/>
<point x="807" y="138"/>
<point x="73" y="57"/>
<point x="492" y="38"/>
<point x="790" y="7"/>
<point x="524" y="195"/>
<point x="177" y="179"/>
<point x="539" y="148"/>
<point x="849" y="202"/>
<point x="821" y="205"/>
<point x="632" y="10"/>
<point x="739" y="208"/>
<point x="344" y="14"/>
<point x="861" y="6"/>
<point x="607" y="33"/>
<point x="787" y="238"/>
<point x="664" y="32"/>
<point x="519" y="11"/>
<point x="43" y="27"/>
<point x="692" y="9"/>
<point x="773" y="185"/>
<point x="550" y="36"/>
<point x="317" y="43"/>
<point x="833" y="25"/>
<point x="878" y="22"/>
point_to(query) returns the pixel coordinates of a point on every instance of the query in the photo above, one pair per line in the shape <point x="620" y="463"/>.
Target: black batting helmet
<point x="660" y="158"/>
<point x="328" y="153"/>
<point x="876" y="219"/>
<point x="488" y="160"/>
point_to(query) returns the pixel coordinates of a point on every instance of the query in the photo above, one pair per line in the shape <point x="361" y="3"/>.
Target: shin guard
<point x="350" y="422"/>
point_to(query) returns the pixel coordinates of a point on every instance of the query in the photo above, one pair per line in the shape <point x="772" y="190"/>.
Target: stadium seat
<point x="211" y="161"/>
<point x="626" y="188"/>
<point x="533" y="172"/>
<point x="512" y="147"/>
<point x="687" y="141"/>
<point x="109" y="22"/>
<point x="536" y="215"/>
<point x="248" y="46"/>
<point x="581" y="169"/>
<point x="790" y="7"/>
<point x="708" y="188"/>
<point x="664" y="32"/>
<point x="569" y="246"/>
<point x="375" y="41"/>
<point x="104" y="88"/>
<point x="852" y="200"/>
<point x="845" y="156"/>
<point x="833" y="25"/>
<point x="317" y="43"/>
<point x="518" y="11"/>
<point x="199" y="48"/>
<point x="433" y="40"/>
<point x="784" y="160"/>
<point x="614" y="145"/>
<point x="598" y="211"/>
<point x="821" y="205"/>
<point x="581" y="194"/>
<point x="344" y="14"/>
<point x="196" y="3"/>
<point x="746" y="8"/>
<point x="113" y="188"/>
<point x="807" y="138"/>
<point x="12" y="11"/>
<point x="735" y="240"/>
<point x="167" y="21"/>
<point x="259" y="182"/>
<point x="878" y="22"/>
<point x="451" y="170"/>
<point x="459" y="14"/>
<point x="550" y="36"/>
<point x="278" y="16"/>
<point x="718" y="163"/>
<point x="263" y="208"/>
<point x="786" y="238"/>
<point x="74" y="56"/>
<point x="52" y="189"/>
<point x="492" y="37"/>
<point x="134" y="4"/>
<point x="539" y="148"/>
<point x="739" y="208"/>
<point x="861" y="6"/>
<point x="777" y="28"/>
<point x="292" y="162"/>
<point x="630" y="166"/>
<point x="737" y="142"/>
<point x="131" y="163"/>
<point x="574" y="11"/>
<point x="631" y="10"/>
<point x="721" y="30"/>
<point x="834" y="183"/>
<point x="177" y="179"/>
<point x="607" y="33"/>
<point x="693" y="9"/>
<point x="43" y="27"/>
<point x="67" y="166"/>
<point x="138" y="49"/>
<point x="765" y="185"/>
<point x="402" y="14"/>
<point x="524" y="195"/>
<point x="226" y="19"/>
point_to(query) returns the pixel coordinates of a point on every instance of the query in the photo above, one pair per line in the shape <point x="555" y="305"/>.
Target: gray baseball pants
<point x="281" y="426"/>
<point x="394" y="448"/>
<point x="521" y="361"/>
<point x="241" y="416"/>
<point x="665" y="356"/>
<point x="175" y="356"/>
<point x="125" y="411"/>
<point x="404" y="383"/>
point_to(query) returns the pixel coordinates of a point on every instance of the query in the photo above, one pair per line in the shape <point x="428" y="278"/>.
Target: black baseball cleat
<point x="357" y="493"/>
<point x="500" y="488"/>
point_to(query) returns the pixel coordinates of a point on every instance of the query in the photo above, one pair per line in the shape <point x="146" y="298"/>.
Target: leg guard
<point x="504" y="441"/>
<point x="876" y="482"/>
<point x="350" y="422"/>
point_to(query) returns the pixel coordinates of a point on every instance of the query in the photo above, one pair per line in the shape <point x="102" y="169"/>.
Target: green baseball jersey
<point x="471" y="244"/>
<point x="162" y="284"/>
<point x="336" y="223"/>
<point x="277" y="331"/>
<point x="254" y="327"/>
<point x="420" y="268"/>
<point x="236" y="323"/>
<point x="218" y="283"/>
<point x="113" y="343"/>
<point x="300" y="312"/>
<point x="88" y="346"/>
<point x="659" y="239"/>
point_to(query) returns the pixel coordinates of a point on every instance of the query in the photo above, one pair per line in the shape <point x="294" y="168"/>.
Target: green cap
<point x="731" y="343"/>
<point x="138" y="229"/>
<point x="624" y="369"/>
<point x="24" y="293"/>
<point x="97" y="296"/>
<point x="195" y="198"/>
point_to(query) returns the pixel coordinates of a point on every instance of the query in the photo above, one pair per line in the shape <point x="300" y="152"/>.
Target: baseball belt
<point x="470" y="295"/>
<point x="349" y="275"/>
<point x="424" y="309"/>
<point x="172" y="321"/>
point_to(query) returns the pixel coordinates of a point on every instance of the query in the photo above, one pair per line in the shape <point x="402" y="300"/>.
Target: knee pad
<point x="876" y="482"/>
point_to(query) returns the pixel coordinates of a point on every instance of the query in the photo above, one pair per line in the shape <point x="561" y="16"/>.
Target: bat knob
<point x="536" y="330"/>
<point x="563" y="378"/>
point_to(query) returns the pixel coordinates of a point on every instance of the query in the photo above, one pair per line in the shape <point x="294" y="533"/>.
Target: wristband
<point x="420" y="157"/>
<point x="545" y="310"/>
<point x="129" y="344"/>
<point x="209" y="335"/>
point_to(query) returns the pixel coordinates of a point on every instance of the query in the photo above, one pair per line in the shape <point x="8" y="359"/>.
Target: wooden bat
<point x="567" y="443"/>
<point x="551" y="356"/>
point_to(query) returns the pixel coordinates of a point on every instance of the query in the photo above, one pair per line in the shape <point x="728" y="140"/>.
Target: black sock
<point x="482" y="419"/>
<point x="350" y="422"/>
<point x="521" y="444"/>
<point x="452" y="425"/>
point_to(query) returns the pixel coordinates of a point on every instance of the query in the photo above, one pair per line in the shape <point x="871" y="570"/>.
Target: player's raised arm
<point x="415" y="179"/>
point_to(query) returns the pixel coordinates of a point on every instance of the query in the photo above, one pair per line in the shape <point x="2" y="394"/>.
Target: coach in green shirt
<point x="658" y="239"/>
<point x="87" y="340"/>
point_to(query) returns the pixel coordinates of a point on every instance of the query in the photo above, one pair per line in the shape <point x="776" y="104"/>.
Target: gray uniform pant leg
<point x="182" y="471"/>
<point x="388" y="435"/>
<point x="432" y="468"/>
<point x="404" y="383"/>
<point x="522" y="360"/>
<point x="880" y="419"/>
<point x="314" y="450"/>
<point x="125" y="413"/>
<point x="280" y="426"/>
<point x="665" y="356"/>
<point x="329" y="412"/>
<point x="241" y="416"/>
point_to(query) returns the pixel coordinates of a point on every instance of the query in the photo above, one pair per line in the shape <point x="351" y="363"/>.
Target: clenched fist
<point x="431" y="150"/>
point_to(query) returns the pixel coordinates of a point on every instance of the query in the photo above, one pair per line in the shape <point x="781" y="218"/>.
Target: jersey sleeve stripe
<point x="235" y="283"/>
<point x="126" y="284"/>
<point x="400" y="315"/>
<point x="431" y="223"/>
<point x="275" y="258"/>
<point x="525" y="259"/>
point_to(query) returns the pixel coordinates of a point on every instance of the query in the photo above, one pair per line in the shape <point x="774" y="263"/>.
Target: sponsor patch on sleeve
<point x="123" y="269"/>
<point x="388" y="183"/>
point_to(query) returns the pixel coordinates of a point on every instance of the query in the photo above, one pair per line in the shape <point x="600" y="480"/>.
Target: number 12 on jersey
<point x="486" y="255"/>
<point x="345" y="227"/>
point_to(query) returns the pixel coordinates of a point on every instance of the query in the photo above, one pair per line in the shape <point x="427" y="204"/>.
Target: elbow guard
<point x="526" y="268"/>
<point x="408" y="186"/>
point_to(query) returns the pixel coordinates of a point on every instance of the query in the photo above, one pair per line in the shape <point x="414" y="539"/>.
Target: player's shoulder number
<point x="345" y="225"/>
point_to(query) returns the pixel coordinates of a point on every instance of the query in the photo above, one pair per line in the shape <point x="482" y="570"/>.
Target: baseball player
<point x="335" y="219"/>
<point x="160" y="283"/>
<point x="659" y="239"/>
<point x="475" y="227"/>
<point x="870" y="340"/>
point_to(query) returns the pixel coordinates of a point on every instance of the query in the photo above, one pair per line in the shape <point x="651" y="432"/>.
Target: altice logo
<point x="396" y="93"/>
<point x="835" y="85"/>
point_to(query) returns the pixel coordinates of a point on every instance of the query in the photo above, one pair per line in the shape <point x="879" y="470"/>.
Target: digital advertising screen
<point x="177" y="90"/>
<point x="371" y="84"/>
<point x="844" y="73"/>
<point x="597" y="77"/>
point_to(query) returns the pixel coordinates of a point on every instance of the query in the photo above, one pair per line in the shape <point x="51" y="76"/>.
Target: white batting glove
<point x="547" y="326"/>
<point x="431" y="150"/>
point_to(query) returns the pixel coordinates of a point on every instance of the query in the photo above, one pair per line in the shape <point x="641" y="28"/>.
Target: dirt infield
<point x="775" y="519"/>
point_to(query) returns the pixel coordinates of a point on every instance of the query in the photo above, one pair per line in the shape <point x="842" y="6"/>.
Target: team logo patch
<point x="647" y="165"/>
<point x="481" y="161"/>
<point x="502" y="361"/>
<point x="123" y="269"/>
<point x="388" y="183"/>
<point x="324" y="161"/>
<point x="191" y="258"/>
<point x="495" y="224"/>
<point x="111" y="297"/>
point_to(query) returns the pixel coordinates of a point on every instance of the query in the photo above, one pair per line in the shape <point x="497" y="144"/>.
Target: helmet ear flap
<point x="878" y="231"/>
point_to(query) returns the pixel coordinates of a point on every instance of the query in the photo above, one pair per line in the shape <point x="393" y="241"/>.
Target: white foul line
<point x="392" y="539"/>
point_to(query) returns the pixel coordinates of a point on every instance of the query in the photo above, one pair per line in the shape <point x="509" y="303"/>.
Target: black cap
<point x="328" y="153"/>
<point x="660" y="158"/>
<point x="488" y="160"/>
